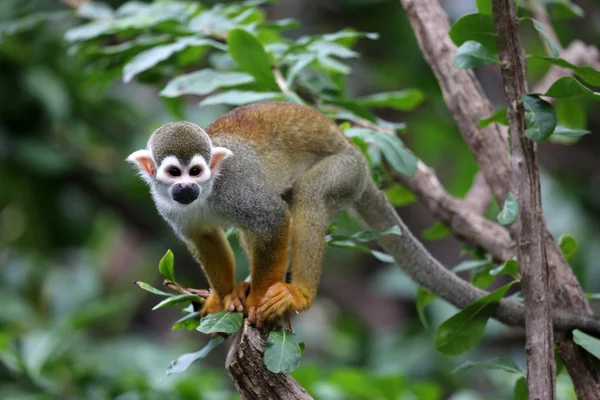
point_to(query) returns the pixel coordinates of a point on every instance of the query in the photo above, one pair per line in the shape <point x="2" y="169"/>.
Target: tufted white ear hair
<point x="145" y="164"/>
<point x="218" y="155"/>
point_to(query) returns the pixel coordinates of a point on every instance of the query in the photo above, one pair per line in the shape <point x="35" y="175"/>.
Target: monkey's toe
<point x="236" y="300"/>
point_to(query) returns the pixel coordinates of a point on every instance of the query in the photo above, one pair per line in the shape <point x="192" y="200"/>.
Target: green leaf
<point x="349" y="244"/>
<point x="326" y="48"/>
<point x="282" y="351"/>
<point x="183" y="362"/>
<point x="436" y="231"/>
<point x="588" y="74"/>
<point x="510" y="211"/>
<point x="540" y="118"/>
<point x="189" y="322"/>
<point x="372" y="235"/>
<point x="484" y="6"/>
<point x="178" y="299"/>
<point x="510" y="267"/>
<point x="87" y="31"/>
<point x="250" y="56"/>
<point x="570" y="87"/>
<point x="499" y="363"/>
<point x="399" y="157"/>
<point x="149" y="58"/>
<point x="554" y="49"/>
<point x="477" y="27"/>
<point x="203" y="82"/>
<point x="469" y="265"/>
<point x="423" y="299"/>
<point x="589" y="343"/>
<point x="568" y="132"/>
<point x="165" y="266"/>
<point x="472" y="54"/>
<point x="151" y="289"/>
<point x="403" y="100"/>
<point x="563" y="9"/>
<point x="240" y="97"/>
<point x="399" y="195"/>
<point x="95" y="10"/>
<point x="391" y="146"/>
<point x="568" y="246"/>
<point x="520" y="391"/>
<point x="464" y="330"/>
<point x="222" y="322"/>
<point x="499" y="116"/>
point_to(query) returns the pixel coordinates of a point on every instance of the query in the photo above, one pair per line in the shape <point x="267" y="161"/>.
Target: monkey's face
<point x="177" y="183"/>
<point x="184" y="182"/>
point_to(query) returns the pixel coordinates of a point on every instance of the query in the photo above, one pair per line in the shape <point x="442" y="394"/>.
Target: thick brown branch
<point x="251" y="377"/>
<point x="466" y="223"/>
<point x="479" y="196"/>
<point x="462" y="92"/>
<point x="533" y="265"/>
<point x="431" y="29"/>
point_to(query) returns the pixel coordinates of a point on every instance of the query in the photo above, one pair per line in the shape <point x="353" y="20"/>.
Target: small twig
<point x="74" y="3"/>
<point x="540" y="14"/>
<point x="280" y="80"/>
<point x="204" y="293"/>
<point x="479" y="196"/>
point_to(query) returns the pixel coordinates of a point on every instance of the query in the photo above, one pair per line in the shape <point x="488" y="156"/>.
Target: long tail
<point x="376" y="213"/>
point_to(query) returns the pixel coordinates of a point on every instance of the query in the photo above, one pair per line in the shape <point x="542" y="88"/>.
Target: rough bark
<point x="464" y="220"/>
<point x="462" y="93"/>
<point x="249" y="374"/>
<point x="533" y="265"/>
<point x="430" y="25"/>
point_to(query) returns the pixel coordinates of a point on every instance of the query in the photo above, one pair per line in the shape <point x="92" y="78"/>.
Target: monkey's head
<point x="180" y="164"/>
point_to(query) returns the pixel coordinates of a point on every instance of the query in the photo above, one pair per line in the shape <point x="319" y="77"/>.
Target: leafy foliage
<point x="465" y="329"/>
<point x="510" y="211"/>
<point x="282" y="351"/>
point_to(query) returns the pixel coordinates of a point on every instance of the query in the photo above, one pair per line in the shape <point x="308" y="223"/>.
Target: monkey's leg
<point x="268" y="261"/>
<point x="211" y="249"/>
<point x="327" y="188"/>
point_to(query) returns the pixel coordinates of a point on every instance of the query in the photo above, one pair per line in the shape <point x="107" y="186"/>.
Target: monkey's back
<point x="278" y="126"/>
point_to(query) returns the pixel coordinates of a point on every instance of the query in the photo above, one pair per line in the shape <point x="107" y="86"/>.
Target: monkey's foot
<point x="213" y="304"/>
<point x="280" y="297"/>
<point x="236" y="300"/>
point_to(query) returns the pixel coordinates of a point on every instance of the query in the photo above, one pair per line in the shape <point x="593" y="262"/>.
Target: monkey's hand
<point x="280" y="297"/>
<point x="236" y="300"/>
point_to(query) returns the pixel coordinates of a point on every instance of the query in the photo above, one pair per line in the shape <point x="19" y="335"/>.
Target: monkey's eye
<point x="195" y="171"/>
<point x="174" y="171"/>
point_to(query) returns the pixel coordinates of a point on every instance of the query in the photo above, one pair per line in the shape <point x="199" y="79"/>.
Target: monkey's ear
<point x="143" y="160"/>
<point x="218" y="155"/>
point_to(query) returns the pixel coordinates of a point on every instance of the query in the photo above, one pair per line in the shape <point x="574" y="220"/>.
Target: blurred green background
<point x="77" y="226"/>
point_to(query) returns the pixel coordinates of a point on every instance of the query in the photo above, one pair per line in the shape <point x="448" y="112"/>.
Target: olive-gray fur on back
<point x="180" y="139"/>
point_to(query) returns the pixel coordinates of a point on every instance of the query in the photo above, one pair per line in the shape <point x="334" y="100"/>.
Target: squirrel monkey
<point x="237" y="173"/>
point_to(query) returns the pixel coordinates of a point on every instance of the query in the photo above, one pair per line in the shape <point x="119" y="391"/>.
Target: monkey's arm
<point x="211" y="249"/>
<point x="268" y="262"/>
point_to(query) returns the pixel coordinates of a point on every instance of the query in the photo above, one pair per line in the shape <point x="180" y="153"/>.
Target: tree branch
<point x="431" y="28"/>
<point x="249" y="374"/>
<point x="533" y="265"/>
<point x="462" y="93"/>
<point x="479" y="196"/>
<point x="466" y="223"/>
